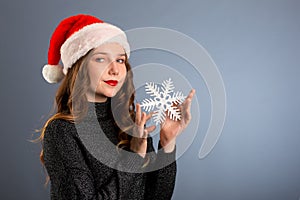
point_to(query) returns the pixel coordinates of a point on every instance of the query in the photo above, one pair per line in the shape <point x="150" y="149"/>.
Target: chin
<point x="107" y="92"/>
<point x="110" y="94"/>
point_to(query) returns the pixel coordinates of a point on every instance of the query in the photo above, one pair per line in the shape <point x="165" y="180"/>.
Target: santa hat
<point x="73" y="38"/>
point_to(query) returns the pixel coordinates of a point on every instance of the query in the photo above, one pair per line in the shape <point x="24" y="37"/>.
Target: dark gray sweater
<point x="83" y="164"/>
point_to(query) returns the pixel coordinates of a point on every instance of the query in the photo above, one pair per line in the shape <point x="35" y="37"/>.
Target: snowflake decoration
<point x="163" y="101"/>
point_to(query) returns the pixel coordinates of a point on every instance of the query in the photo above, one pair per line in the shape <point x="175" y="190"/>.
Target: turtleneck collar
<point x="101" y="109"/>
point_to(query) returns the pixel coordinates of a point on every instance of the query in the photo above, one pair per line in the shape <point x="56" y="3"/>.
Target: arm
<point x="160" y="181"/>
<point x="70" y="175"/>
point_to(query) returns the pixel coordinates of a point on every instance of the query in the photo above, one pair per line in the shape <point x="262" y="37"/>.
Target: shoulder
<point x="59" y="123"/>
<point x="58" y="128"/>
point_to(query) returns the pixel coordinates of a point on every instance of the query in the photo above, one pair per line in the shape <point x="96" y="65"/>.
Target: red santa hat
<point x="73" y="38"/>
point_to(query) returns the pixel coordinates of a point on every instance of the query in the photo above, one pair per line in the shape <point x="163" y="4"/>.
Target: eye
<point x="100" y="60"/>
<point x="121" y="61"/>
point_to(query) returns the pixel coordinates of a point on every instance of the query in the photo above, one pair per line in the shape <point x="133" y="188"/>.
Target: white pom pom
<point x="53" y="73"/>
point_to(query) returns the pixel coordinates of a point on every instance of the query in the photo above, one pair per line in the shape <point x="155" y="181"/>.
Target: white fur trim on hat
<point x="53" y="73"/>
<point x="89" y="37"/>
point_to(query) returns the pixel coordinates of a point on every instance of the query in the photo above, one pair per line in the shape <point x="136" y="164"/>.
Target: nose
<point x="113" y="68"/>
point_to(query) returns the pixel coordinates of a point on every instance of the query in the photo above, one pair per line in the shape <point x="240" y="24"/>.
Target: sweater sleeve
<point x="160" y="181"/>
<point x="69" y="172"/>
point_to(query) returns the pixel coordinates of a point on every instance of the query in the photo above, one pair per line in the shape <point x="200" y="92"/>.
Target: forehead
<point x="110" y="48"/>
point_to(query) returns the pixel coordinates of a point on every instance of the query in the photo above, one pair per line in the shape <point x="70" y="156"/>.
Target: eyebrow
<point x="104" y="53"/>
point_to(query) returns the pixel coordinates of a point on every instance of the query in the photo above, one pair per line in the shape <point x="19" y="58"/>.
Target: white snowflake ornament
<point x="162" y="101"/>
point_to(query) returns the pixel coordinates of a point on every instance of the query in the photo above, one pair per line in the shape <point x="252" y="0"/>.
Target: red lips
<point x="111" y="82"/>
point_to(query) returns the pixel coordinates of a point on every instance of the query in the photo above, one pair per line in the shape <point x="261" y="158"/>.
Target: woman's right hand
<point x="138" y="143"/>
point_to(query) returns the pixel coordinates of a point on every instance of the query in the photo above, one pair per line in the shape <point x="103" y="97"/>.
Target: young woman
<point x="97" y="146"/>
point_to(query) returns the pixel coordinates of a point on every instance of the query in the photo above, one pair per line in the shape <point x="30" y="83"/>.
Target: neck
<point x="96" y="98"/>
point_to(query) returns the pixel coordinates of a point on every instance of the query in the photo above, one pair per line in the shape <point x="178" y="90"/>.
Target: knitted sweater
<point x="82" y="162"/>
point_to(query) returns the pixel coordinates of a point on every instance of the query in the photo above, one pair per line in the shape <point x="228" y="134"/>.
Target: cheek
<point x="95" y="76"/>
<point x="123" y="71"/>
<point x="123" y="75"/>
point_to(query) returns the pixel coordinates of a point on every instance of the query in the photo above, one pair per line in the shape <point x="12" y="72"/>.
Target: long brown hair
<point x="74" y="86"/>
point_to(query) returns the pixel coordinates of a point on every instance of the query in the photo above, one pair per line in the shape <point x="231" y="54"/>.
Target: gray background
<point x="255" y="45"/>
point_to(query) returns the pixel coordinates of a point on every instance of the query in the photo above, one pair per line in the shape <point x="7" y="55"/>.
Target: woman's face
<point x="107" y="72"/>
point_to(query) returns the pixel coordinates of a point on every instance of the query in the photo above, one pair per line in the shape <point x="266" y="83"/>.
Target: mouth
<point x="111" y="82"/>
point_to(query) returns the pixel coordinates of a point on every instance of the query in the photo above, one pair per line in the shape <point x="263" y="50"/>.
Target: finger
<point x="187" y="111"/>
<point x="191" y="95"/>
<point x="188" y="99"/>
<point x="149" y="116"/>
<point x="186" y="106"/>
<point x="187" y="115"/>
<point x="150" y="128"/>
<point x="143" y="119"/>
<point x="138" y="114"/>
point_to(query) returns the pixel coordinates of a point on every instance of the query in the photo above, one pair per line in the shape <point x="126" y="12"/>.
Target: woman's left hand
<point x="170" y="129"/>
